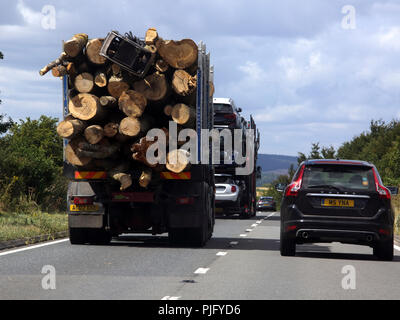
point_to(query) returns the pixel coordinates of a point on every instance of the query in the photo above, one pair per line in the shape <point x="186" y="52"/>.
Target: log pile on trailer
<point x="112" y="109"/>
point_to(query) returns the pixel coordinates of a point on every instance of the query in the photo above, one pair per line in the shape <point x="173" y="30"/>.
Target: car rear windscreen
<point x="223" y="180"/>
<point x="342" y="177"/>
<point x="223" y="108"/>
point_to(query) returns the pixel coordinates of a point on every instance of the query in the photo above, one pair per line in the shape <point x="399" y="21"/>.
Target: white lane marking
<point x="234" y="243"/>
<point x="272" y="214"/>
<point x="243" y="235"/>
<point x="222" y="254"/>
<point x="170" y="298"/>
<point x="202" y="270"/>
<point x="249" y="230"/>
<point x="259" y="221"/>
<point x="254" y="225"/>
<point x="33" y="247"/>
<point x="397" y="248"/>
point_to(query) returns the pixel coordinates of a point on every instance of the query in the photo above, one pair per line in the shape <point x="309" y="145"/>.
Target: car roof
<point x="338" y="162"/>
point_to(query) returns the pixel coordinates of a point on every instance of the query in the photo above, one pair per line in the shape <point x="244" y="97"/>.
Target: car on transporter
<point x="227" y="194"/>
<point x="337" y="201"/>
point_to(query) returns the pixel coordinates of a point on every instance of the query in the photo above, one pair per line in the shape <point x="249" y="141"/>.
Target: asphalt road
<point x="242" y="261"/>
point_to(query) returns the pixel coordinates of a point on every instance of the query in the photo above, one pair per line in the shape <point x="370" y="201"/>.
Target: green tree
<point x="31" y="157"/>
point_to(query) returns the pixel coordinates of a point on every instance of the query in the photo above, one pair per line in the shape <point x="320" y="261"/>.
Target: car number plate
<point x="87" y="208"/>
<point x="338" y="203"/>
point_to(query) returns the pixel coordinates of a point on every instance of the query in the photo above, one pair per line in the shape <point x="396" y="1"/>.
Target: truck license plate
<point x="81" y="207"/>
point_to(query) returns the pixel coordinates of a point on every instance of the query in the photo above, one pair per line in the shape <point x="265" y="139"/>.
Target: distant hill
<point x="272" y="162"/>
<point x="273" y="165"/>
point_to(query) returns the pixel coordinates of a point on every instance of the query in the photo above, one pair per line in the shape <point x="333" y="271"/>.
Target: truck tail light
<point x="293" y="188"/>
<point x="185" y="201"/>
<point x="83" y="200"/>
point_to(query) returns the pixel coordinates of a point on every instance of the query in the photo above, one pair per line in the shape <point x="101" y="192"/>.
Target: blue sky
<point x="291" y="65"/>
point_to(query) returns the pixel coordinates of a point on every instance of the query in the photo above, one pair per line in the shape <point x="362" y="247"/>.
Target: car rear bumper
<point x="352" y="232"/>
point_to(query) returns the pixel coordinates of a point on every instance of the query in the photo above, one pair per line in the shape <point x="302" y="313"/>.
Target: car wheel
<point x="383" y="250"/>
<point x="287" y="246"/>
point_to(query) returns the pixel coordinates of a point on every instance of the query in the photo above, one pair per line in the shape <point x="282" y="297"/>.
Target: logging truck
<point x="104" y="199"/>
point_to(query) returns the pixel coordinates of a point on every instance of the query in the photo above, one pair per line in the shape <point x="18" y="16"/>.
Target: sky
<point x="308" y="71"/>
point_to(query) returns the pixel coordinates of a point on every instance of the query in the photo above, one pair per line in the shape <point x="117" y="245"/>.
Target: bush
<point x="31" y="156"/>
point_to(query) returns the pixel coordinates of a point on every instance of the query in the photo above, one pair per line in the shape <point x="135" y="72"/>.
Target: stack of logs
<point x="111" y="110"/>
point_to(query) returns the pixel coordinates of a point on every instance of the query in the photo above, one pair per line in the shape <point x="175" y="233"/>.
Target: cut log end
<point x="154" y="87"/>
<point x="132" y="103"/>
<point x="183" y="83"/>
<point x="151" y="36"/>
<point x="93" y="51"/>
<point x="70" y="128"/>
<point x="74" y="46"/>
<point x="184" y="115"/>
<point x="84" y="82"/>
<point x="100" y="79"/>
<point x="130" y="127"/>
<point x="85" y="106"/>
<point x="178" y="54"/>
<point x="72" y="153"/>
<point x="178" y="161"/>
<point x="145" y="178"/>
<point x="116" y="86"/>
<point x="94" y="134"/>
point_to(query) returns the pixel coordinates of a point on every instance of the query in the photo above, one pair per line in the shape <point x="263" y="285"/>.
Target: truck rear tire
<point x="98" y="237"/>
<point x="196" y="237"/>
<point x="77" y="235"/>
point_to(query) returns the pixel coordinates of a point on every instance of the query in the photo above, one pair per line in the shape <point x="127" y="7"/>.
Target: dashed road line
<point x="234" y="243"/>
<point x="170" y="298"/>
<point x="249" y="230"/>
<point x="222" y="254"/>
<point x="243" y="235"/>
<point x="202" y="270"/>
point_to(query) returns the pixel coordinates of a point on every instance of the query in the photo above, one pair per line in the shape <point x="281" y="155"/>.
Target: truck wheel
<point x="202" y="234"/>
<point x="77" y="236"/>
<point x="384" y="250"/>
<point x="98" y="237"/>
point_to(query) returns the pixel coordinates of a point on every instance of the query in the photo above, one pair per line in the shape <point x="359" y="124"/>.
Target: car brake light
<point x="233" y="189"/>
<point x="230" y="116"/>
<point x="291" y="228"/>
<point x="293" y="188"/>
<point x="384" y="193"/>
<point x="83" y="200"/>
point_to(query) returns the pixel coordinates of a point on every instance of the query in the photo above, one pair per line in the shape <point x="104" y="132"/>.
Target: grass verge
<point x="18" y="226"/>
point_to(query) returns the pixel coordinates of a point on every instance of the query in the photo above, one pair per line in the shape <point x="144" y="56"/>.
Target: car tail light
<point x="184" y="201"/>
<point x="230" y="116"/>
<point x="233" y="189"/>
<point x="384" y="193"/>
<point x="384" y="232"/>
<point x="293" y="188"/>
<point x="83" y="200"/>
<point x="291" y="228"/>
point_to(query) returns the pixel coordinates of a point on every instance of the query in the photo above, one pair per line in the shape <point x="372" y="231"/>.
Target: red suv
<point x="337" y="200"/>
